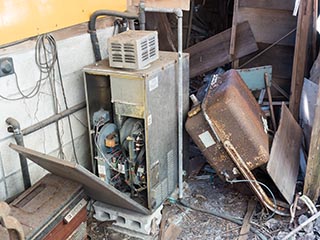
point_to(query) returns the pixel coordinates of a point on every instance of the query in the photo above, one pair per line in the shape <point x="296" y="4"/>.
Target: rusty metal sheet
<point x="234" y="115"/>
<point x="283" y="166"/>
<point x="94" y="187"/>
<point x="211" y="148"/>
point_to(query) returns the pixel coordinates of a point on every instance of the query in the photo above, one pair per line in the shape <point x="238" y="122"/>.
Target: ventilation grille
<point x="133" y="49"/>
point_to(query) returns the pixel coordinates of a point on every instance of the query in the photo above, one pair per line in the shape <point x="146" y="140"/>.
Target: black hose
<point x="225" y="217"/>
<point x="92" y="27"/>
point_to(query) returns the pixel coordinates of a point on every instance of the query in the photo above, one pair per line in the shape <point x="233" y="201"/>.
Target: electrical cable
<point x="67" y="107"/>
<point x="44" y="67"/>
<point x="261" y="184"/>
<point x="224" y="216"/>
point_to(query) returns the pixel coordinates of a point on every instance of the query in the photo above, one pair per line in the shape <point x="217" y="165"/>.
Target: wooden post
<point x="300" y="54"/>
<point x="312" y="179"/>
<point x="235" y="63"/>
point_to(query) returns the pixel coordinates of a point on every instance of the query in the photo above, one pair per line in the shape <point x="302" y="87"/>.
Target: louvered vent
<point x="133" y="49"/>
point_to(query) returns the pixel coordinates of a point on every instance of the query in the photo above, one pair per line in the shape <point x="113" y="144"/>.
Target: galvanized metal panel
<point x="94" y="186"/>
<point x="283" y="166"/>
<point x="23" y="19"/>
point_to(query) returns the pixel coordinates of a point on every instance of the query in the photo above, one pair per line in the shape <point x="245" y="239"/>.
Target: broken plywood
<point x="269" y="25"/>
<point x="214" y="51"/>
<point x="283" y="165"/>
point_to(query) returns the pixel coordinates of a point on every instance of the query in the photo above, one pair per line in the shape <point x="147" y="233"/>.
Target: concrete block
<point x="14" y="184"/>
<point x="128" y="219"/>
<point x="3" y="192"/>
<point x="1" y="169"/>
<point x="36" y="172"/>
<point x="10" y="159"/>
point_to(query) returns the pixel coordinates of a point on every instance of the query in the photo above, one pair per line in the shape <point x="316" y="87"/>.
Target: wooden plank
<point x="183" y="4"/>
<point x="268" y="85"/>
<point x="283" y="165"/>
<point x="314" y="29"/>
<point x="246" y="221"/>
<point x="234" y="28"/>
<point x="269" y="4"/>
<point x="269" y="25"/>
<point x="300" y="54"/>
<point x="312" y="179"/>
<point x="159" y="22"/>
<point x="214" y="51"/>
<point x="172" y="232"/>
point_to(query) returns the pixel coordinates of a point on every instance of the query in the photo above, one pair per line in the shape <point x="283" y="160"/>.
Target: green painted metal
<point x="254" y="77"/>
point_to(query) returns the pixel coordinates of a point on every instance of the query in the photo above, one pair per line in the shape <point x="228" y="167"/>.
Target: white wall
<point x="74" y="53"/>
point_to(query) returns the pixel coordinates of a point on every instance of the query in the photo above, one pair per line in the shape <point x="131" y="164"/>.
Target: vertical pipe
<point x="14" y="127"/>
<point x="179" y="15"/>
<point x="180" y="99"/>
<point x="142" y="15"/>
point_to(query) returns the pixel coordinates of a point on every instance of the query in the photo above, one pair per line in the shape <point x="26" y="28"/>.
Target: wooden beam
<point x="214" y="51"/>
<point x="245" y="229"/>
<point x="312" y="178"/>
<point x="269" y="25"/>
<point x="268" y="4"/>
<point x="300" y="54"/>
<point x="234" y="28"/>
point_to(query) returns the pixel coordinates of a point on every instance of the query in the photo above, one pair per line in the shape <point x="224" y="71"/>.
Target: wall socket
<point x="6" y="66"/>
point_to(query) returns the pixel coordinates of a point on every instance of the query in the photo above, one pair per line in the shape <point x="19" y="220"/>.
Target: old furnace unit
<point x="132" y="116"/>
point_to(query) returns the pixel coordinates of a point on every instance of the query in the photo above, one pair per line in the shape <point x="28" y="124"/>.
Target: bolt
<point x="6" y="66"/>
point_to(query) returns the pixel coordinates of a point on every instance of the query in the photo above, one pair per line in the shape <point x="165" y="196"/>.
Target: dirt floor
<point x="207" y="192"/>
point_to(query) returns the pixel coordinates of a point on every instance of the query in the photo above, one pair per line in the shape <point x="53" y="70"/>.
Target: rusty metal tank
<point x="230" y="113"/>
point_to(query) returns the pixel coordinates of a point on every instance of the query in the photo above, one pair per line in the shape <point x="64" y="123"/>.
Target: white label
<point x="153" y="84"/>
<point x="207" y="139"/>
<point x="149" y="120"/>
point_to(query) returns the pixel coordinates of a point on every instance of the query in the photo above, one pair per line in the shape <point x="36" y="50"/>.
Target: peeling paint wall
<point x="74" y="53"/>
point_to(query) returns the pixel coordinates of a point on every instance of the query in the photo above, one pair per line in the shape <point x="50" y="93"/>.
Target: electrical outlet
<point x="6" y="66"/>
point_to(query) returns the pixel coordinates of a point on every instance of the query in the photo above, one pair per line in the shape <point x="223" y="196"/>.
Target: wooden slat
<point x="214" y="52"/>
<point x="159" y="22"/>
<point x="234" y="28"/>
<point x="269" y="25"/>
<point x="246" y="221"/>
<point x="312" y="179"/>
<point x="283" y="165"/>
<point x="269" y="4"/>
<point x="183" y="4"/>
<point x="172" y="232"/>
<point x="300" y="54"/>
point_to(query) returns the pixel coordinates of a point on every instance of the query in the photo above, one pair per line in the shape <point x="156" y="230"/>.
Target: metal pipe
<point x="92" y="27"/>
<point x="52" y="119"/>
<point x="142" y="15"/>
<point x="179" y="15"/>
<point x="14" y="127"/>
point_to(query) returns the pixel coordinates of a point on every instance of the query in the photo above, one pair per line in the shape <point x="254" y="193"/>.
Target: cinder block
<point x="128" y="219"/>
<point x="3" y="193"/>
